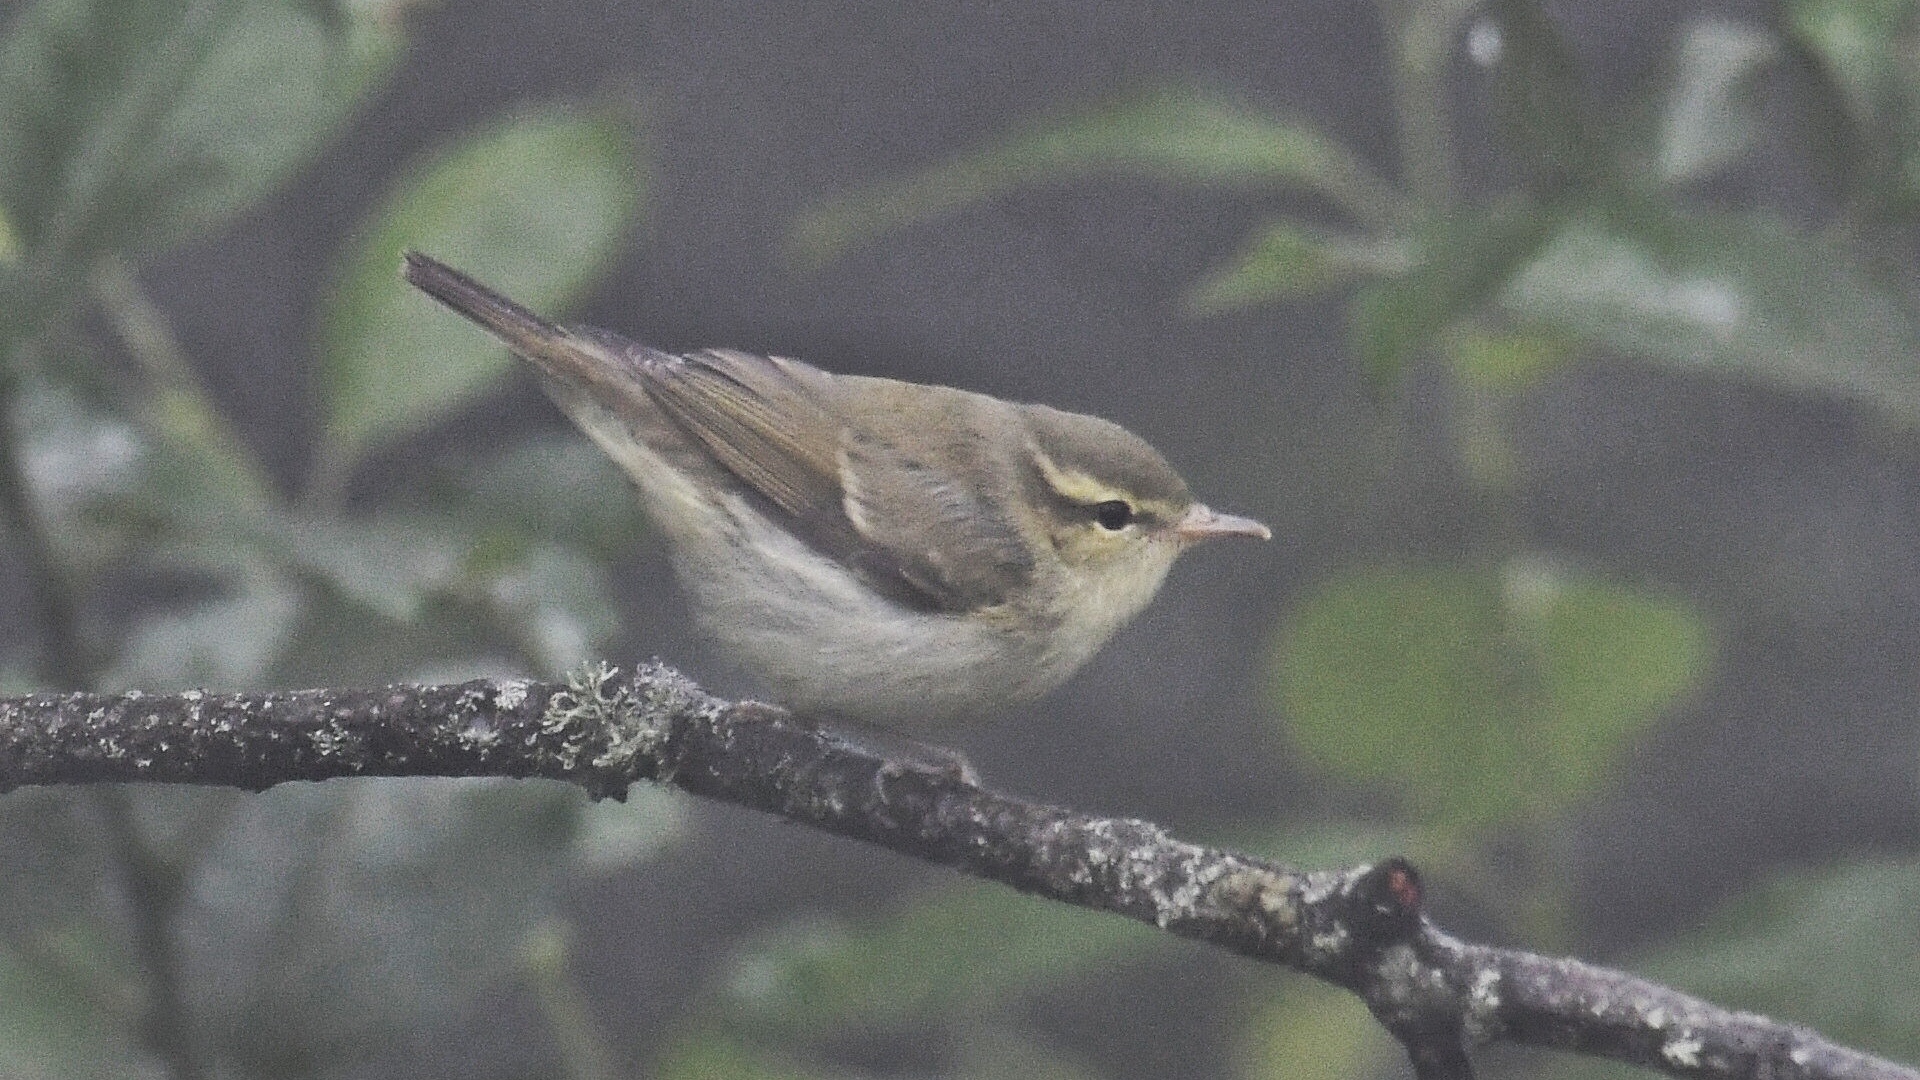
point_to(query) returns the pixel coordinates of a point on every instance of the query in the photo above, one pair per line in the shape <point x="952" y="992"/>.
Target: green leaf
<point x="1325" y="844"/>
<point x="1479" y="696"/>
<point x="1286" y="260"/>
<point x="1712" y="115"/>
<point x="713" y="1055"/>
<point x="1174" y="135"/>
<point x="536" y="207"/>
<point x="9" y="240"/>
<point x="1462" y="260"/>
<point x="131" y="124"/>
<point x="1863" y="44"/>
<point x="1860" y="98"/>
<point x="997" y="1052"/>
<point x="1313" y="1032"/>
<point x="1740" y="295"/>
<point x="1504" y="361"/>
<point x="964" y="948"/>
<point x="1399" y="676"/>
<point x="1611" y="659"/>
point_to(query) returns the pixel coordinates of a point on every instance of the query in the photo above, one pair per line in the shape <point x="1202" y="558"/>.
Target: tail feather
<point x="597" y="377"/>
<point x="551" y="347"/>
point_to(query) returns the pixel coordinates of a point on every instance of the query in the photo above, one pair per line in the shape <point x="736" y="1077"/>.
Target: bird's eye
<point x="1114" y="514"/>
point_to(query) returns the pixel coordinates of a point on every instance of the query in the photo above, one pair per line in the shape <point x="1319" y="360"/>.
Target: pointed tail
<point x="550" y="346"/>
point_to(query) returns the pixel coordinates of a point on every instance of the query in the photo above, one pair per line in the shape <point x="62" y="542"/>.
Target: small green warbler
<point x="889" y="552"/>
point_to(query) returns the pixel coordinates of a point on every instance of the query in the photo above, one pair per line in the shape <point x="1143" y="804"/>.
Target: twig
<point x="1362" y="928"/>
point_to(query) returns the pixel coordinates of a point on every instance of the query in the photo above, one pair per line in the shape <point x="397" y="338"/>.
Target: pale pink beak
<point x="1204" y="523"/>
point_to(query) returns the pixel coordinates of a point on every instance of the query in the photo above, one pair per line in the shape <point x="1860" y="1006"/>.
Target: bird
<point x="900" y="555"/>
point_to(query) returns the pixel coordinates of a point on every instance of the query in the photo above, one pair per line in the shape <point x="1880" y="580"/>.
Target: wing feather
<point x="904" y="525"/>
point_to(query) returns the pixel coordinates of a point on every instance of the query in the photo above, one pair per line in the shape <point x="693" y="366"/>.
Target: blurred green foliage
<point x="715" y="1056"/>
<point x="1479" y="698"/>
<point x="316" y="925"/>
<point x="1740" y="294"/>
<point x="1489" y="700"/>
<point x="1170" y="135"/>
<point x="1311" y="1032"/>
<point x="134" y="124"/>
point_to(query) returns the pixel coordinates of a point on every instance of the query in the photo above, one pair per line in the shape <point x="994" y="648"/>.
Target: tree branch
<point x="1362" y="928"/>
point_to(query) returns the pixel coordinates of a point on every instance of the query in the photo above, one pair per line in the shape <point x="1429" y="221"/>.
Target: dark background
<point x="1789" y="520"/>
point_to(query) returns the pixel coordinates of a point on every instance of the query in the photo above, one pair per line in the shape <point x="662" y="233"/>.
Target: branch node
<point x="1388" y="898"/>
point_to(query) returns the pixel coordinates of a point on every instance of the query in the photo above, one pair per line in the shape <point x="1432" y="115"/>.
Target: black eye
<point x="1113" y="515"/>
